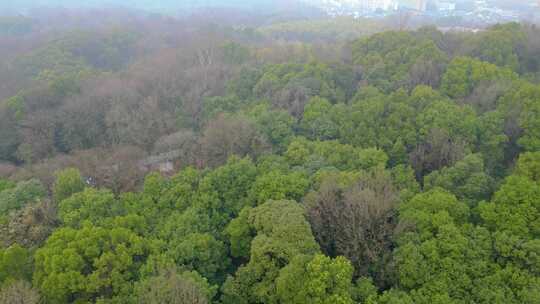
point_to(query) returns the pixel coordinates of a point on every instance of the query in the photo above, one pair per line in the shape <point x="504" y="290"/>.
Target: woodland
<point x="335" y="161"/>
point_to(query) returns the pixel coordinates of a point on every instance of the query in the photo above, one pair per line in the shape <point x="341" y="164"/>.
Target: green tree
<point x="529" y="120"/>
<point x="89" y="264"/>
<point x="459" y="123"/>
<point x="22" y="194"/>
<point x="493" y="142"/>
<point x="10" y="138"/>
<point x="275" y="185"/>
<point x="201" y="253"/>
<point x="290" y="86"/>
<point x="390" y="58"/>
<point x="317" y="122"/>
<point x="518" y="108"/>
<point x="220" y="104"/>
<point x="528" y="166"/>
<point x="377" y="120"/>
<point x="6" y="184"/>
<point x="223" y="192"/>
<point x="436" y="260"/>
<point x="464" y="74"/>
<point x="432" y="209"/>
<point x="320" y="280"/>
<point x="178" y="225"/>
<point x="172" y="287"/>
<point x="68" y="182"/>
<point x="443" y="258"/>
<point x="282" y="233"/>
<point x="90" y="206"/>
<point x="15" y="264"/>
<point x="240" y="234"/>
<point x="314" y="155"/>
<point x="393" y="296"/>
<point x="276" y="125"/>
<point x="235" y="53"/>
<point x="499" y="45"/>
<point x="514" y="209"/>
<point x="467" y="179"/>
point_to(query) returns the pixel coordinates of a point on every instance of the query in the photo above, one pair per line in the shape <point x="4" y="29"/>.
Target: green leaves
<point x="281" y="234"/>
<point x="499" y="45"/>
<point x="443" y="254"/>
<point x="528" y="165"/>
<point x="231" y="182"/>
<point x="467" y="179"/>
<point x="171" y="286"/>
<point x="68" y="182"/>
<point x="368" y="181"/>
<point x="514" y="209"/>
<point x="519" y="108"/>
<point x="240" y="234"/>
<point x="465" y="73"/>
<point x="314" y="155"/>
<point x="23" y="193"/>
<point x="432" y="210"/>
<point x="281" y="84"/>
<point x="90" y="206"/>
<point x="15" y="264"/>
<point x="388" y="58"/>
<point x="6" y="184"/>
<point x="317" y="121"/>
<point x="202" y="253"/>
<point x="530" y="119"/>
<point x="275" y="185"/>
<point x="276" y="125"/>
<point x="89" y="263"/>
<point x="320" y="280"/>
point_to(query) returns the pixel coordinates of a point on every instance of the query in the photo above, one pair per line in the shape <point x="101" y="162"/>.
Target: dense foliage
<point x="144" y="165"/>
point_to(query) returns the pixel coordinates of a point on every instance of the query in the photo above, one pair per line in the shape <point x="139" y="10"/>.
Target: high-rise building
<point x="337" y="7"/>
<point x="421" y="5"/>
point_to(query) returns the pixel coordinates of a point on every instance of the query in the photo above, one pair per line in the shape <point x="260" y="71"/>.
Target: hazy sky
<point x="172" y="6"/>
<point x="169" y="6"/>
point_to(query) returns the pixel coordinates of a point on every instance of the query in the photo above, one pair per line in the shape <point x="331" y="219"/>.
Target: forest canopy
<point x="146" y="159"/>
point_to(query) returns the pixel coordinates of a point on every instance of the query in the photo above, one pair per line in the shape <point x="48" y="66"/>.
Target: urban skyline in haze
<point x="488" y="11"/>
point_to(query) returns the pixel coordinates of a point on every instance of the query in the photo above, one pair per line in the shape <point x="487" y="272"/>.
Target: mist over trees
<point x="274" y="160"/>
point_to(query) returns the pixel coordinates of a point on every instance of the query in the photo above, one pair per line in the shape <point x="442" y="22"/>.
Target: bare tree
<point x="357" y="221"/>
<point x="170" y="288"/>
<point x="7" y="169"/>
<point x="485" y="95"/>
<point x="230" y="135"/>
<point x="19" y="292"/>
<point x="31" y="226"/>
<point x="425" y="72"/>
<point x="437" y="151"/>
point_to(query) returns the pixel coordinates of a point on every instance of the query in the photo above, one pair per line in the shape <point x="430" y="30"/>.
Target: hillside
<point x="150" y="159"/>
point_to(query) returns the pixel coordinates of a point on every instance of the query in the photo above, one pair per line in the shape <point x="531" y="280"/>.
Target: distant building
<point x="460" y="29"/>
<point x="442" y="6"/>
<point x="418" y="5"/>
<point x="164" y="163"/>
<point x="446" y="6"/>
<point x="373" y="5"/>
<point x="354" y="7"/>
